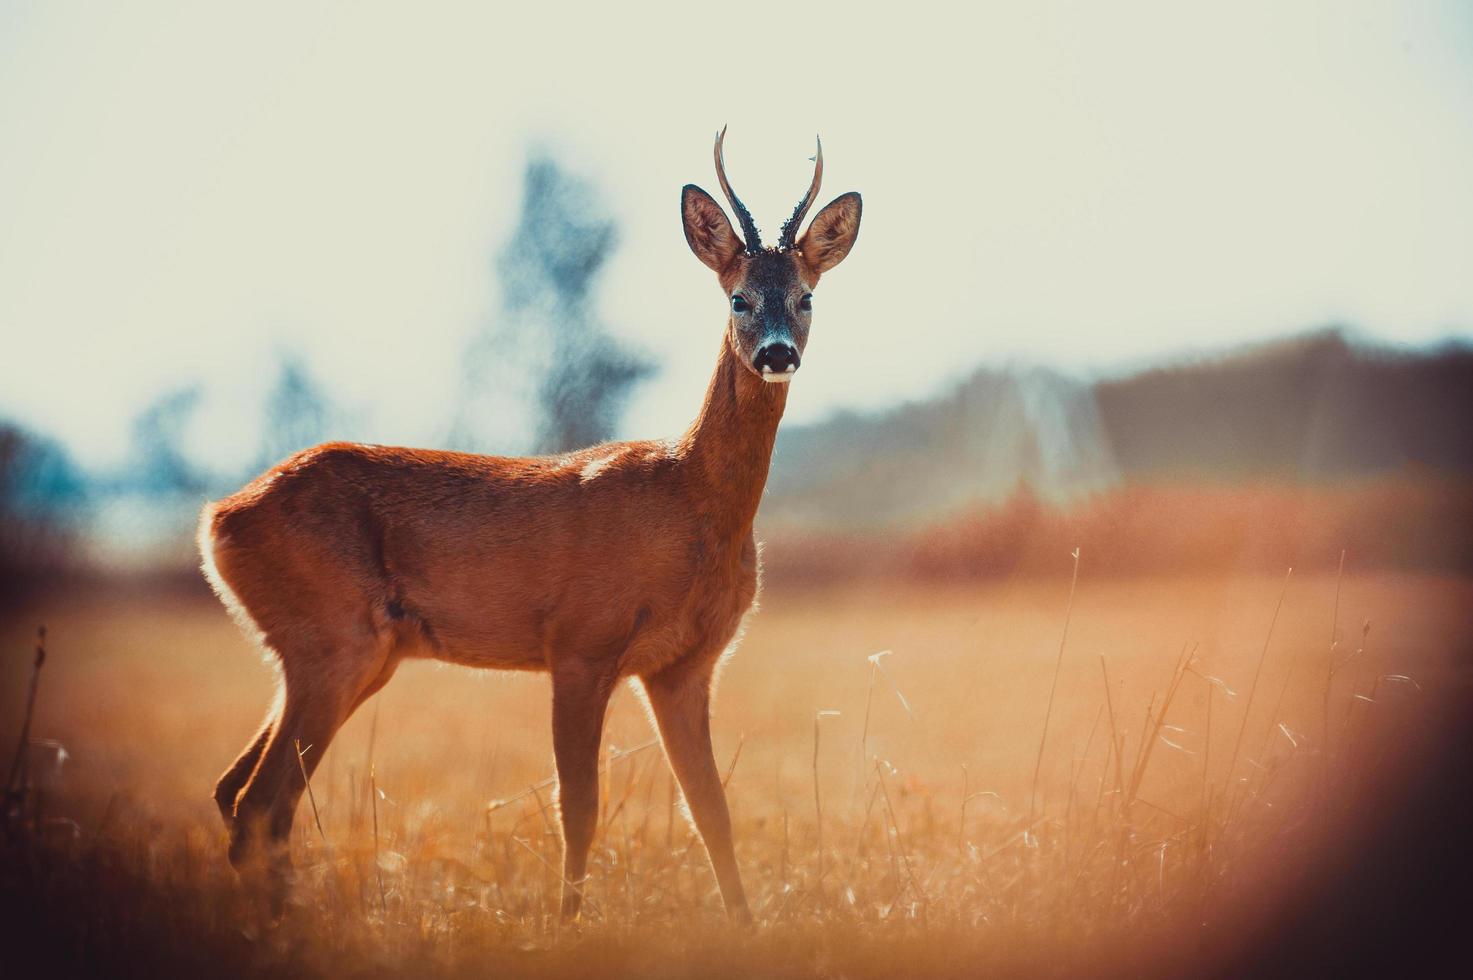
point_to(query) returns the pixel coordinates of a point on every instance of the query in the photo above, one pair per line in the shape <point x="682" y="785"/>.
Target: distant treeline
<point x="42" y="496"/>
<point x="1312" y="408"/>
<point x="1412" y="521"/>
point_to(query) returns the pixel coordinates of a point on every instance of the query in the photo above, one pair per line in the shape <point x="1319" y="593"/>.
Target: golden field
<point x="1202" y="772"/>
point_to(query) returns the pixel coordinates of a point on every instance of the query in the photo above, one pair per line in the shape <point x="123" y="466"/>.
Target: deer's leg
<point x="320" y="694"/>
<point x="680" y="697"/>
<point x="580" y="696"/>
<point x="228" y="788"/>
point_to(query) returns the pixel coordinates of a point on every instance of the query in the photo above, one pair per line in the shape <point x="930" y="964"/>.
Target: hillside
<point x="1315" y="407"/>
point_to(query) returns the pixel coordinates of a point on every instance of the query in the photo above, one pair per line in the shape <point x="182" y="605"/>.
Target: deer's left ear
<point x="832" y="233"/>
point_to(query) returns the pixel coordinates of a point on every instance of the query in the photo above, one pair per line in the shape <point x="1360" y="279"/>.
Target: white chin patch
<point x="771" y="377"/>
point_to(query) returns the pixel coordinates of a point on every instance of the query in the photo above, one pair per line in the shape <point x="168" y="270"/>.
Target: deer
<point x="632" y="561"/>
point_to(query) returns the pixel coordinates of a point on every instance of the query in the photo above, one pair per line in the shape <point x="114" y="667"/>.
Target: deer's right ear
<point x="707" y="230"/>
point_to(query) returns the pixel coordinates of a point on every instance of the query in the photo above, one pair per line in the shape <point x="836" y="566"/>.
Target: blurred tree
<point x="548" y="364"/>
<point x="160" y="465"/>
<point x="298" y="412"/>
<point x="43" y="498"/>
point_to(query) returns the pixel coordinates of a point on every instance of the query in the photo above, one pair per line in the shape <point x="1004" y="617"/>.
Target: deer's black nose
<point x="776" y="358"/>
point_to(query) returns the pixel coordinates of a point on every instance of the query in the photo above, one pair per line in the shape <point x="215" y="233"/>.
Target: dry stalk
<point x="731" y="769"/>
<point x="1150" y="742"/>
<point x="1330" y="681"/>
<point x="1253" y="688"/>
<point x="961" y="826"/>
<point x="1074" y="784"/>
<point x="372" y="737"/>
<point x="311" y="798"/>
<point x="817" y="797"/>
<point x="1115" y="742"/>
<point x="383" y="902"/>
<point x="900" y="840"/>
<point x="1053" y="687"/>
<point x="15" y="782"/>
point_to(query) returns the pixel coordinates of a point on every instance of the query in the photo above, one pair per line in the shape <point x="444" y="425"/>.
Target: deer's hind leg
<point x="233" y="780"/>
<point x="323" y="685"/>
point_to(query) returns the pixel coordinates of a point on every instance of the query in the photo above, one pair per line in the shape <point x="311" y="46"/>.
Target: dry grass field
<point x="1210" y="758"/>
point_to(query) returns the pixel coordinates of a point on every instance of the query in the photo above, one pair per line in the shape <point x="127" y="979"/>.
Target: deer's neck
<point x="730" y="442"/>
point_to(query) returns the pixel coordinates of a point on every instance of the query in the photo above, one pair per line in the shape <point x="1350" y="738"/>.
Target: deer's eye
<point x="806" y="303"/>
<point x="739" y="304"/>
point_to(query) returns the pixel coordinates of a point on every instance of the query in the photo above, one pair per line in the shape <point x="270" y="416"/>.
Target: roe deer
<point x="630" y="559"/>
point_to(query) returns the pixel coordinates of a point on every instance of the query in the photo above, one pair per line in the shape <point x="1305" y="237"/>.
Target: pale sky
<point x="188" y="189"/>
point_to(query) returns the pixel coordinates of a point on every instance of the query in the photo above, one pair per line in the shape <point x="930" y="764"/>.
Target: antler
<point x="789" y="234"/>
<point x="749" y="227"/>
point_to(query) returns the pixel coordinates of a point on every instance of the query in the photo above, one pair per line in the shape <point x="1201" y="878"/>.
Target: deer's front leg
<point x="680" y="697"/>
<point x="580" y="695"/>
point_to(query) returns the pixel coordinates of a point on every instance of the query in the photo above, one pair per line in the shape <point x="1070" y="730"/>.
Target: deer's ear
<point x="832" y="233"/>
<point x="707" y="230"/>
